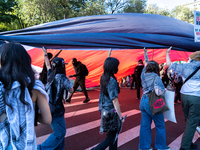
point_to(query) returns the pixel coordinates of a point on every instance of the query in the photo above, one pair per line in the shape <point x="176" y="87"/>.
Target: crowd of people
<point x="24" y="100"/>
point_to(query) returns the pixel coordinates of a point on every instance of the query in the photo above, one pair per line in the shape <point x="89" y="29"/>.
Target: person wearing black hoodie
<point x="80" y="79"/>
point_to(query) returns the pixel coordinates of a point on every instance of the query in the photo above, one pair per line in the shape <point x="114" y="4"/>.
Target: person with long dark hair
<point x="151" y="81"/>
<point x="108" y="99"/>
<point x="16" y="104"/>
<point x="57" y="82"/>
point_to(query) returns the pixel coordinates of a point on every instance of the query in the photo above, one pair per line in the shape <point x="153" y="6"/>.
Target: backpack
<point x="85" y="70"/>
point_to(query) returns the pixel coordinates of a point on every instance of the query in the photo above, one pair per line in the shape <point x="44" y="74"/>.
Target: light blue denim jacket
<point x="106" y="101"/>
<point x="148" y="79"/>
<point x="186" y="69"/>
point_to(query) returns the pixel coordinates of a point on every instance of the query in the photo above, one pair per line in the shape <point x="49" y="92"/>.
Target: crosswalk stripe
<point x="128" y="135"/>
<point x="81" y="112"/>
<point x="84" y="127"/>
<point x="80" y="103"/>
<point x="176" y="144"/>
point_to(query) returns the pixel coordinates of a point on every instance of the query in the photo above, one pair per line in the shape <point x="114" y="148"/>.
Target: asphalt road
<point x="83" y="120"/>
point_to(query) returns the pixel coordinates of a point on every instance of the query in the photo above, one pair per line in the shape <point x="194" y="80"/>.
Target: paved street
<point x="83" y="120"/>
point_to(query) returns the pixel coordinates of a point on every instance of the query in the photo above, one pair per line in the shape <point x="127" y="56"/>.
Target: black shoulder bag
<point x="110" y="119"/>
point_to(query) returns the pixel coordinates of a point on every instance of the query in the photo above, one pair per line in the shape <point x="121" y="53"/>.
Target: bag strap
<point x="154" y="83"/>
<point x="192" y="74"/>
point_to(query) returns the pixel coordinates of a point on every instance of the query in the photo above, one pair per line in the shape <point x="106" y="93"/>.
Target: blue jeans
<point x="56" y="141"/>
<point x="145" y="128"/>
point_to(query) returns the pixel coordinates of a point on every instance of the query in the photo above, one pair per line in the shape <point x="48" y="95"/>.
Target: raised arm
<point x="146" y="58"/>
<point x="168" y="60"/>
<point x="44" y="116"/>
<point x="47" y="62"/>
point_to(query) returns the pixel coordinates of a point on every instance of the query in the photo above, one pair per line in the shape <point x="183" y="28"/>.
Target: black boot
<point x="68" y="100"/>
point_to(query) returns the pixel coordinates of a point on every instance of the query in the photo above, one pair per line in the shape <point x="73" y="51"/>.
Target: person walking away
<point x="178" y="82"/>
<point x="190" y="95"/>
<point x="165" y="78"/>
<point x="108" y="99"/>
<point x="57" y="82"/>
<point x="81" y="71"/>
<point x="16" y="104"/>
<point x="137" y="72"/>
<point x="151" y="81"/>
<point x="133" y="81"/>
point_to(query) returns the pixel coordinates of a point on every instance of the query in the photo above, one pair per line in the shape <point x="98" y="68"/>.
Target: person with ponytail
<point x="57" y="82"/>
<point x="151" y="81"/>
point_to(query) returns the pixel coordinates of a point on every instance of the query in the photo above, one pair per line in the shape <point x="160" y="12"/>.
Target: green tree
<point x="135" y="6"/>
<point x="42" y="11"/>
<point x="6" y="10"/>
<point x="183" y="13"/>
<point x="154" y="9"/>
<point x="93" y="7"/>
<point x="7" y="15"/>
<point x="115" y="6"/>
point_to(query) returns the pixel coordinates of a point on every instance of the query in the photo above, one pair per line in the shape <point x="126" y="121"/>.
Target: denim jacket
<point x="186" y="69"/>
<point x="106" y="101"/>
<point x="59" y="83"/>
<point x="148" y="79"/>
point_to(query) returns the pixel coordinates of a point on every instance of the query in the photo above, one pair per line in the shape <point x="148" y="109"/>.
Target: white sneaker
<point x="198" y="130"/>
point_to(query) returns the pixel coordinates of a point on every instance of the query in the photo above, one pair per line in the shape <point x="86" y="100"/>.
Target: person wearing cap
<point x="190" y="95"/>
<point x="80" y="79"/>
<point x="137" y="73"/>
<point x="57" y="82"/>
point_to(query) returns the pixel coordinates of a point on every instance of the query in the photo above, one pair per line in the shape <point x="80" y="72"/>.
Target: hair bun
<point x="195" y="56"/>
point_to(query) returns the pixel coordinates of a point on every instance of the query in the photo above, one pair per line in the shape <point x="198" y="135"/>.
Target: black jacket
<point x="138" y="71"/>
<point x="79" y="71"/>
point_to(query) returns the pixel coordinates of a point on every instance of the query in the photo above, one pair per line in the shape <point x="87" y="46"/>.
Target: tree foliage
<point x="183" y="13"/>
<point x="18" y="14"/>
<point x="42" y="11"/>
<point x="6" y="10"/>
<point x="93" y="7"/>
<point x="135" y="6"/>
<point x="154" y="9"/>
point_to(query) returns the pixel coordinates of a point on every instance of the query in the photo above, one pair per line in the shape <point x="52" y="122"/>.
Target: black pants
<point x="82" y="85"/>
<point x="133" y="82"/>
<point x="108" y="142"/>
<point x="177" y="92"/>
<point x="137" y="86"/>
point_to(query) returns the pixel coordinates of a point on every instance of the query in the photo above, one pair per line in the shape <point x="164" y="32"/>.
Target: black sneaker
<point x="193" y="146"/>
<point x="86" y="100"/>
<point x="68" y="100"/>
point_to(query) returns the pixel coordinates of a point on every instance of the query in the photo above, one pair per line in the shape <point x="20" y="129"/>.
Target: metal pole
<point x="152" y="55"/>
<point x="109" y="53"/>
